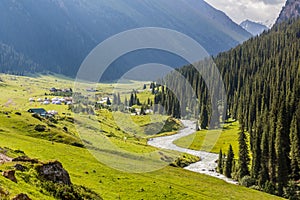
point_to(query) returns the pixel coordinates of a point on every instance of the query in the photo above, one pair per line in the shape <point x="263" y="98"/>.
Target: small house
<point x="39" y="111"/>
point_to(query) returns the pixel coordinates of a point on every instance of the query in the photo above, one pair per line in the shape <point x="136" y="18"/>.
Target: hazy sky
<point x="255" y="10"/>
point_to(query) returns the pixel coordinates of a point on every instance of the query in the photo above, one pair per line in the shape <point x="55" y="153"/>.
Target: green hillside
<point x="17" y="132"/>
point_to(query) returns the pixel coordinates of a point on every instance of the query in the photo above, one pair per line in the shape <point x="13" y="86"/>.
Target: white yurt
<point x="46" y="102"/>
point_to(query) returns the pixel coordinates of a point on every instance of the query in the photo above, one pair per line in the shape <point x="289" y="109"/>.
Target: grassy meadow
<point x="91" y="166"/>
<point x="213" y="140"/>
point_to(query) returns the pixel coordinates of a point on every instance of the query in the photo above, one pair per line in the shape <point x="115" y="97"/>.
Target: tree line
<point x="262" y="81"/>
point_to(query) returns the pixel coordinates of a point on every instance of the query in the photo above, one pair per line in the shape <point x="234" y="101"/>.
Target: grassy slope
<point x="167" y="183"/>
<point x="199" y="141"/>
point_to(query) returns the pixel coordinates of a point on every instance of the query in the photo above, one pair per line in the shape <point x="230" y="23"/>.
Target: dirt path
<point x="207" y="165"/>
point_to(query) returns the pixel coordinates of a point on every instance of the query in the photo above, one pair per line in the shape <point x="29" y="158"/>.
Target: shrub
<point x="247" y="181"/>
<point x="76" y="144"/>
<point x="70" y="192"/>
<point x="4" y="194"/>
<point x="52" y="119"/>
<point x="184" y="160"/>
<point x="40" y="128"/>
<point x="37" y="116"/>
<point x="290" y="192"/>
<point x="269" y="187"/>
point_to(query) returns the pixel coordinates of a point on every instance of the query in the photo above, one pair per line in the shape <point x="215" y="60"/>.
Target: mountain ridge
<point x="289" y="11"/>
<point x="58" y="34"/>
<point x="253" y="27"/>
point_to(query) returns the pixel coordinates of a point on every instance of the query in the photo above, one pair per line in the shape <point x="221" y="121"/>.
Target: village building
<point x="40" y="111"/>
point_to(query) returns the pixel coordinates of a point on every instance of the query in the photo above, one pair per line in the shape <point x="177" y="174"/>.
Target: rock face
<point x="289" y="11"/>
<point x="10" y="174"/>
<point x="21" y="197"/>
<point x="54" y="172"/>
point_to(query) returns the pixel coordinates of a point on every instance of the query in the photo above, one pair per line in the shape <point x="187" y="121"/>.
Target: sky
<point x="265" y="11"/>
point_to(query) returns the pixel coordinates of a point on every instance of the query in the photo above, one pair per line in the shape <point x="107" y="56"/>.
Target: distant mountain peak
<point x="289" y="11"/>
<point x="254" y="28"/>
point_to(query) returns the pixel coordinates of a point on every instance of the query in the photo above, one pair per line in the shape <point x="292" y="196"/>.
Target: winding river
<point x="207" y="165"/>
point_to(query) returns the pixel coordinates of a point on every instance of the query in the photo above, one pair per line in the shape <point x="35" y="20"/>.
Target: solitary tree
<point x="108" y="102"/>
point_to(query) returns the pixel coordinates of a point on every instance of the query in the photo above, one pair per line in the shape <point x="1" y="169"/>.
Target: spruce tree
<point x="263" y="173"/>
<point x="256" y="152"/>
<point x="229" y="162"/>
<point x="220" y="162"/>
<point x="282" y="168"/>
<point x="203" y="117"/>
<point x="295" y="152"/>
<point x="131" y="100"/>
<point x="126" y="102"/>
<point x="118" y="99"/>
<point x="243" y="154"/>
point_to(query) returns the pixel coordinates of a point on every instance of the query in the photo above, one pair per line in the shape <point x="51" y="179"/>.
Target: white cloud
<point x="255" y="10"/>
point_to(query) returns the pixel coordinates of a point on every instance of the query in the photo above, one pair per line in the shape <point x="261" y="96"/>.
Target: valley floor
<point x="60" y="140"/>
<point x="208" y="163"/>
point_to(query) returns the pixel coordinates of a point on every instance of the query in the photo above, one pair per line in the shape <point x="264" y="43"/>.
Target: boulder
<point x="21" y="197"/>
<point x="54" y="172"/>
<point x="10" y="174"/>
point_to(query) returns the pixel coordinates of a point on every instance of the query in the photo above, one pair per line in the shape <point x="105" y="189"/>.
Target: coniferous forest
<point x="262" y="80"/>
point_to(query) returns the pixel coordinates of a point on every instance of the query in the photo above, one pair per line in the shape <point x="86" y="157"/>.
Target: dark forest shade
<point x="262" y="79"/>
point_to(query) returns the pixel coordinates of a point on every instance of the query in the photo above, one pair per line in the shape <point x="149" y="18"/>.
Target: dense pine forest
<point x="10" y="61"/>
<point x="262" y="80"/>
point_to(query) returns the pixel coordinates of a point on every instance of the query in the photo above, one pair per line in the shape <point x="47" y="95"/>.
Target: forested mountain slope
<point x="58" y="34"/>
<point x="262" y="79"/>
<point x="14" y="62"/>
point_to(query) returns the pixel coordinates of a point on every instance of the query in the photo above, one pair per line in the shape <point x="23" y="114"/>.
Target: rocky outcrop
<point x="4" y="158"/>
<point x="20" y="167"/>
<point x="21" y="197"/>
<point x="289" y="11"/>
<point x="10" y="174"/>
<point x="54" y="172"/>
<point x="25" y="159"/>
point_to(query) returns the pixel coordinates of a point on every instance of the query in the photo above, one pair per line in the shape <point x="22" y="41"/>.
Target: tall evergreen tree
<point x="263" y="173"/>
<point x="220" y="162"/>
<point x="243" y="154"/>
<point x="295" y="152"/>
<point x="131" y="100"/>
<point x="203" y="117"/>
<point x="229" y="162"/>
<point x="256" y="152"/>
<point x="282" y="168"/>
